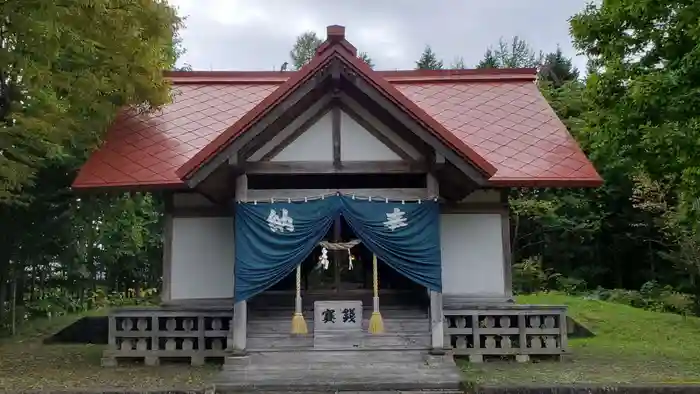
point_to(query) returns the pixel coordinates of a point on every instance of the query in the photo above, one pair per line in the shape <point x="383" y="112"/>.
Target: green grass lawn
<point x="27" y="364"/>
<point x="631" y="346"/>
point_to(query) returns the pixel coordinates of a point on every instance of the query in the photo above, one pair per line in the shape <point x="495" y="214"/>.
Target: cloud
<point x="257" y="35"/>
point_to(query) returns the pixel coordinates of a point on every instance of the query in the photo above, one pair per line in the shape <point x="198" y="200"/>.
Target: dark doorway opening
<point x="339" y="281"/>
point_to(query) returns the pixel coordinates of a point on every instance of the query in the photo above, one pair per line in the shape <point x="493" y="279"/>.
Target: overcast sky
<point x="258" y="34"/>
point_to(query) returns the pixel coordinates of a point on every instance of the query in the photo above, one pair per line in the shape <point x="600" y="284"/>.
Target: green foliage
<point x="514" y="54"/>
<point x="63" y="75"/>
<point x="305" y="48"/>
<point x="489" y="60"/>
<point x="428" y="60"/>
<point x="63" y="78"/>
<point x="641" y="124"/>
<point x="651" y="297"/>
<point x="530" y="277"/>
<point x="458" y="64"/>
<point x="364" y="56"/>
<point x="56" y="302"/>
<point x="557" y="69"/>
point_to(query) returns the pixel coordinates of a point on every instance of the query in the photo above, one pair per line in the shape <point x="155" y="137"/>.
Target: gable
<point x="315" y="141"/>
<point x="314" y="144"/>
<point x="358" y="144"/>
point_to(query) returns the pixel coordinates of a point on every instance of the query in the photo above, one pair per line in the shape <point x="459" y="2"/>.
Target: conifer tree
<point x="428" y="60"/>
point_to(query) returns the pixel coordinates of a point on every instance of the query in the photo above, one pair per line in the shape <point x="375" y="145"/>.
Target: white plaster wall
<point x="357" y="144"/>
<point x="315" y="144"/>
<point x="472" y="254"/>
<point x="202" y="258"/>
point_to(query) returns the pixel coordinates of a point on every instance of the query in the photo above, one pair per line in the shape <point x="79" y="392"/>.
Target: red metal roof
<point x="335" y="47"/>
<point x="496" y="118"/>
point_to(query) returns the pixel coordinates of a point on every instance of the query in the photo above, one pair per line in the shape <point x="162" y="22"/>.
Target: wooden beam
<point x="507" y="253"/>
<point x="167" y="268"/>
<point x="432" y="185"/>
<point x="237" y="341"/>
<point x="336" y="136"/>
<point x="324" y="167"/>
<point x="394" y="194"/>
<point x="457" y="184"/>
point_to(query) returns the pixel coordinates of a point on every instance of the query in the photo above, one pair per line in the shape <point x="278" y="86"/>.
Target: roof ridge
<point x="394" y="76"/>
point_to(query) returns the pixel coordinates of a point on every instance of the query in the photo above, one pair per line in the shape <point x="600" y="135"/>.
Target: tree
<point x="514" y="54"/>
<point x="364" y="56"/>
<point x="643" y="91"/>
<point x="557" y="69"/>
<point x="304" y="49"/>
<point x="489" y="60"/>
<point x="458" y="64"/>
<point x="428" y="60"/>
<point x="63" y="76"/>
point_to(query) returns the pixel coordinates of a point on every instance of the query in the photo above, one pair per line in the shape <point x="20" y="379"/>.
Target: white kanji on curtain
<point x="281" y="223"/>
<point x="395" y="219"/>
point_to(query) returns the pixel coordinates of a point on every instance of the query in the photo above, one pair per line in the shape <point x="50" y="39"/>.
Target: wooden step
<point x="283" y="326"/>
<point x="261" y="342"/>
<point x="325" y="358"/>
<point x="317" y="371"/>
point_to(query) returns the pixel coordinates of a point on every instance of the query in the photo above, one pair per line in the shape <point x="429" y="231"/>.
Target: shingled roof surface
<point x="499" y="115"/>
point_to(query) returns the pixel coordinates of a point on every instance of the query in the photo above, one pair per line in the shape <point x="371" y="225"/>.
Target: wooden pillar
<point x="437" y="317"/>
<point x="240" y="329"/>
<point x="240" y="309"/>
<point x="166" y="290"/>
<point x="507" y="252"/>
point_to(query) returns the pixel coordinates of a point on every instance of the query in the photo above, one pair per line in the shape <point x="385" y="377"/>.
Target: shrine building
<point x="338" y="209"/>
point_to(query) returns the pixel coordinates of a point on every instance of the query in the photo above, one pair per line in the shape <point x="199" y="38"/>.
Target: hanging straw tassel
<point x="376" y="323"/>
<point x="298" y="322"/>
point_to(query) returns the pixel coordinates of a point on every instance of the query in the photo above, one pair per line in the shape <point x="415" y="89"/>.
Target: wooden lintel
<point x="346" y="167"/>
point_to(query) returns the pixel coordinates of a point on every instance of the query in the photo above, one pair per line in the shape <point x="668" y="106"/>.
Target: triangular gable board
<point x="316" y="143"/>
<point x="358" y="144"/>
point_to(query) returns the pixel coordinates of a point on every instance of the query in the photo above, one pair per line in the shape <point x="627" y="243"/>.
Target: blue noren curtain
<point x="273" y="238"/>
<point x="406" y="236"/>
